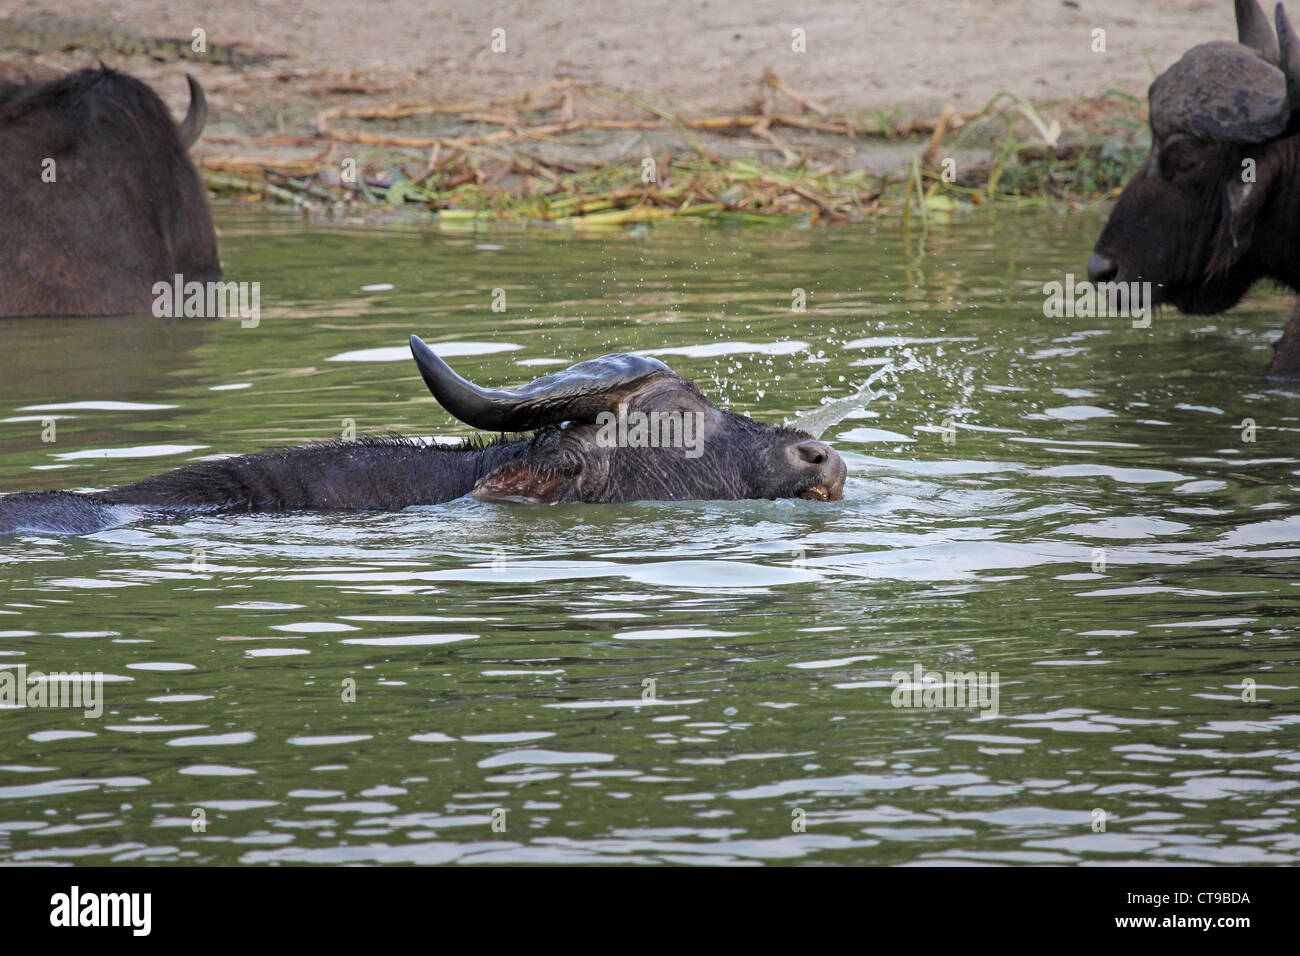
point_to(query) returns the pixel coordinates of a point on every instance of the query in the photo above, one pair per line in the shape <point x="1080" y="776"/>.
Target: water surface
<point x="1071" y="505"/>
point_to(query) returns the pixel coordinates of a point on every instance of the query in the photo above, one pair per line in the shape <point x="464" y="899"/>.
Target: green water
<point x="1068" y="506"/>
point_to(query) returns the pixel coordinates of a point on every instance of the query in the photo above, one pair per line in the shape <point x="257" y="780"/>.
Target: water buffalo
<point x="617" y="428"/>
<point x="98" y="198"/>
<point x="1216" y="206"/>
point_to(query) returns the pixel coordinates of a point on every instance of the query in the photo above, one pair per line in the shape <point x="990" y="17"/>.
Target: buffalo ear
<point x="530" y="483"/>
<point x="1244" y="197"/>
<point x="1241" y="213"/>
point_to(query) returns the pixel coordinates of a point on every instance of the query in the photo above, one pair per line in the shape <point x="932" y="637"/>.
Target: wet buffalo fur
<point x="742" y="459"/>
<point x="381" y="473"/>
<point x="126" y="209"/>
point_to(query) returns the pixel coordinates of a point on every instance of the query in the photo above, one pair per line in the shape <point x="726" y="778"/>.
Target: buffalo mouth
<point x="823" y="493"/>
<point x="826" y="480"/>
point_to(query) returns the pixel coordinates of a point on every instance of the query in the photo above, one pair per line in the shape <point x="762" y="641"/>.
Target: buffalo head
<point x="1214" y="207"/>
<point x="627" y="428"/>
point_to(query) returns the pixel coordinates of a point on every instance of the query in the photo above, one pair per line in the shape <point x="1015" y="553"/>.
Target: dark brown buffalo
<point x="98" y="198"/>
<point x="576" y="455"/>
<point x="1216" y="206"/>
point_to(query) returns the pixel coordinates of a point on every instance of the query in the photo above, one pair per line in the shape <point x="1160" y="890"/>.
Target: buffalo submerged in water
<point x="614" y="429"/>
<point x="98" y="197"/>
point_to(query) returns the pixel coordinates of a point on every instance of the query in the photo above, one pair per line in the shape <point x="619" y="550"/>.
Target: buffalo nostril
<point x="1101" y="268"/>
<point x="813" y="452"/>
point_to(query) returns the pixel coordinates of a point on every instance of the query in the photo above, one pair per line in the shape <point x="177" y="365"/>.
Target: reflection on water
<point x="1070" y="505"/>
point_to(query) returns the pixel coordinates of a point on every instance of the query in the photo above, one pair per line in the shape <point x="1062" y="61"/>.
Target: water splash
<point x="833" y="411"/>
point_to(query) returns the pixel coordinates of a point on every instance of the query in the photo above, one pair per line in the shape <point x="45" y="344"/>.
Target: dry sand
<point x="693" y="58"/>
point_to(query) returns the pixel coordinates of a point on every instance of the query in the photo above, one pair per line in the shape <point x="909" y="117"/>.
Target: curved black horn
<point x="578" y="394"/>
<point x="196" y="116"/>
<point x="1288" y="57"/>
<point x="1254" y="30"/>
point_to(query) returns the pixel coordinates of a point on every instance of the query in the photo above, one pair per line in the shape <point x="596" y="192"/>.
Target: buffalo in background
<point x="1216" y="206"/>
<point x="98" y="197"/>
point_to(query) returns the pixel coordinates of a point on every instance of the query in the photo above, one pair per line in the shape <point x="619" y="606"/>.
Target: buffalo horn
<point x="196" y="116"/>
<point x="1254" y="30"/>
<point x="578" y="394"/>
<point x="1288" y="58"/>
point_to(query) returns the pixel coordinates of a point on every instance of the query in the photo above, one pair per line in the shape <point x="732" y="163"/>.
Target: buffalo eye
<point x="1185" y="158"/>
<point x="1179" y="162"/>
